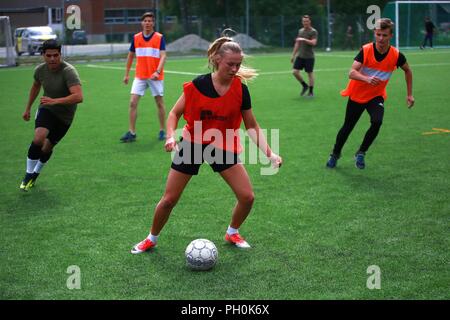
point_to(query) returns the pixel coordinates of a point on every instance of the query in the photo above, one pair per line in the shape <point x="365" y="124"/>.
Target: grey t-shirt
<point x="56" y="84"/>
<point x="305" y="51"/>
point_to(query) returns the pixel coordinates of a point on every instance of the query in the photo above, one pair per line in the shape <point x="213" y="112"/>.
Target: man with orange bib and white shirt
<point x="369" y="75"/>
<point x="150" y="50"/>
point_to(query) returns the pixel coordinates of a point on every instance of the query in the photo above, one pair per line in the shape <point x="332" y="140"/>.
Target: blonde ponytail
<point x="222" y="45"/>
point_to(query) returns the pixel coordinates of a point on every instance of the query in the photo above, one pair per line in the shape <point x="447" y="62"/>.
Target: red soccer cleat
<point x="237" y="240"/>
<point x="143" y="246"/>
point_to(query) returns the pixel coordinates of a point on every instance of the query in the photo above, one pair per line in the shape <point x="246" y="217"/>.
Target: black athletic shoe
<point x="359" y="160"/>
<point x="128" y="137"/>
<point x="305" y="88"/>
<point x="332" y="162"/>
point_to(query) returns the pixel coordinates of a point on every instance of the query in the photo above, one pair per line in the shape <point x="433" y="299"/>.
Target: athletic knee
<point x="39" y="140"/>
<point x="133" y="105"/>
<point x="168" y="202"/>
<point x="134" y="102"/>
<point x="376" y="123"/>
<point x="247" y="198"/>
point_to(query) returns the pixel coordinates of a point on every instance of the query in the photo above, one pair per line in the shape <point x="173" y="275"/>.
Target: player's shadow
<point x="28" y="201"/>
<point x="360" y="180"/>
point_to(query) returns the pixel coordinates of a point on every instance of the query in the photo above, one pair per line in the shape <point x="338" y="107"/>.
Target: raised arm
<point x="75" y="96"/>
<point x="311" y="42"/>
<point x="355" y="74"/>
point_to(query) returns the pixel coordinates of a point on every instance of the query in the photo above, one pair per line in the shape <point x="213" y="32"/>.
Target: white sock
<point x="39" y="166"/>
<point x="231" y="230"/>
<point x="31" y="164"/>
<point x="153" y="238"/>
<point x="132" y="132"/>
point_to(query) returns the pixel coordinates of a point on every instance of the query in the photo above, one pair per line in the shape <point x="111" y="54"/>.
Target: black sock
<point x="304" y="84"/>
<point x="311" y="90"/>
<point x="34" y="152"/>
<point x="45" y="156"/>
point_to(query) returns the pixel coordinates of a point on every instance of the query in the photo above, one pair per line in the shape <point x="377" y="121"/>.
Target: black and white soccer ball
<point x="201" y="254"/>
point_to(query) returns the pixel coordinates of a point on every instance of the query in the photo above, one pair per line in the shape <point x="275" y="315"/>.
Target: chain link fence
<point x="265" y="33"/>
<point x="111" y="39"/>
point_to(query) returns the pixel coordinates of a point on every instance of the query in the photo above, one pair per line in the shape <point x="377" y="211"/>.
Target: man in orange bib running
<point x="369" y="75"/>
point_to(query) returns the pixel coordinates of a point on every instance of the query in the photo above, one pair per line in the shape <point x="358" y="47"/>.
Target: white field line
<point x="352" y="54"/>
<point x="347" y="69"/>
<point x="274" y="72"/>
<point x="123" y="68"/>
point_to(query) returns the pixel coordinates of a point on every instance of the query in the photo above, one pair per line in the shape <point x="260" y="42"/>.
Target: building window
<point x="124" y="16"/>
<point x="57" y="14"/>
<point x="170" y="19"/>
<point x="134" y="15"/>
<point x="114" y="16"/>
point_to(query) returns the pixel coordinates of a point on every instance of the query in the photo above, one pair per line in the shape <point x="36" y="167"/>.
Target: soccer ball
<point x="201" y="254"/>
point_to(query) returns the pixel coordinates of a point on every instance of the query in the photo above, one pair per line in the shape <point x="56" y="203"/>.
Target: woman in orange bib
<point x="213" y="105"/>
<point x="369" y="75"/>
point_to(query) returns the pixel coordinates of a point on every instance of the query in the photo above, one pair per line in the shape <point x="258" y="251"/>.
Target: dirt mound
<point x="188" y="43"/>
<point x="194" y="42"/>
<point x="247" y="42"/>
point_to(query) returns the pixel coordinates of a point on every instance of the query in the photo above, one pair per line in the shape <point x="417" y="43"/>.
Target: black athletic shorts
<point x="191" y="156"/>
<point x="307" y="64"/>
<point x="57" y="129"/>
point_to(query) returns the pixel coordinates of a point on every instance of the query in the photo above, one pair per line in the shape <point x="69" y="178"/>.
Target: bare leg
<point x="134" y="100"/>
<point x="239" y="181"/>
<point x="297" y="75"/>
<point x="176" y="182"/>
<point x="311" y="79"/>
<point x="161" y="111"/>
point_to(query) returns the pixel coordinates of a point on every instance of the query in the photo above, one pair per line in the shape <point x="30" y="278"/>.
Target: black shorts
<point x="57" y="129"/>
<point x="375" y="108"/>
<point x="191" y="156"/>
<point x="307" y="64"/>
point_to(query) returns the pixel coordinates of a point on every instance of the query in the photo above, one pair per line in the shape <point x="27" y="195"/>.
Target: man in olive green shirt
<point x="62" y="92"/>
<point x="303" y="55"/>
